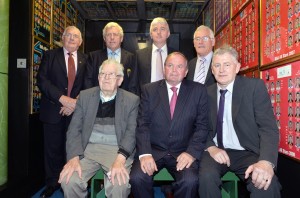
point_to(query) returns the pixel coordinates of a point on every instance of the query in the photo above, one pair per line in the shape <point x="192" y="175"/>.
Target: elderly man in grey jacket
<point x="101" y="135"/>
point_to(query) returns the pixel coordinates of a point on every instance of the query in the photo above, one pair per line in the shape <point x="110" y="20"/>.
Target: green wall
<point x="4" y="29"/>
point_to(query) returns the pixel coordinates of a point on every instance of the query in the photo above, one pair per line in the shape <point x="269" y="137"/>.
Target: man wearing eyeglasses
<point x="113" y="36"/>
<point x="200" y="67"/>
<point x="101" y="136"/>
<point x="60" y="79"/>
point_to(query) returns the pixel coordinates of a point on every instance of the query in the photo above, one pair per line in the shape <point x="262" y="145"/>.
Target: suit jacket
<point x="96" y="58"/>
<point x="210" y="79"/>
<point x="158" y="135"/>
<point x="52" y="80"/>
<point x="81" y="126"/>
<point x="252" y="116"/>
<point x="142" y="70"/>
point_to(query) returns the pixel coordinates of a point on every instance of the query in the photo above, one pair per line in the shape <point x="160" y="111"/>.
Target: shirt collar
<point x="208" y="57"/>
<point x="117" y="51"/>
<point x="66" y="52"/>
<point x="169" y="86"/>
<point x="107" y="99"/>
<point x="164" y="48"/>
<point x="229" y="87"/>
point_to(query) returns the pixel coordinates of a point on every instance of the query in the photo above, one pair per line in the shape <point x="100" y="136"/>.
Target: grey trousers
<point x="97" y="156"/>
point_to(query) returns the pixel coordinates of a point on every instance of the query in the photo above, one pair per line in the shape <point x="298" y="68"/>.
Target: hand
<point x="262" y="174"/>
<point x="73" y="165"/>
<point x="119" y="171"/>
<point x="148" y="164"/>
<point x="184" y="160"/>
<point x="65" y="111"/>
<point x="68" y="102"/>
<point x="219" y="155"/>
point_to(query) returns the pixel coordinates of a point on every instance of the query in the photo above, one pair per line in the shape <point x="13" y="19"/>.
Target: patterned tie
<point x="159" y="66"/>
<point x="201" y="73"/>
<point x="173" y="101"/>
<point x="113" y="55"/>
<point x="71" y="73"/>
<point x="220" y="119"/>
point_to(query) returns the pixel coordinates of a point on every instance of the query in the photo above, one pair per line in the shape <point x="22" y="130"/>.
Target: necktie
<point x="220" y="119"/>
<point x="159" y="65"/>
<point x="113" y="55"/>
<point x="173" y="101"/>
<point x="201" y="72"/>
<point x="71" y="73"/>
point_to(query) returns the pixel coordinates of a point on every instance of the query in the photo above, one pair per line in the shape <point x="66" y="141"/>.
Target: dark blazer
<point x="96" y="58"/>
<point x="210" y="79"/>
<point x="52" y="80"/>
<point x="142" y="70"/>
<point x="252" y="116"/>
<point x="81" y="126"/>
<point x="158" y="135"/>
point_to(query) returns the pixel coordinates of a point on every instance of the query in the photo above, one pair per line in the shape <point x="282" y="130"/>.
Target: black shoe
<point x="48" y="191"/>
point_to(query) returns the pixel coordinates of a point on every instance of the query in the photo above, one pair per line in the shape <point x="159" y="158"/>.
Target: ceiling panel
<point x="136" y="10"/>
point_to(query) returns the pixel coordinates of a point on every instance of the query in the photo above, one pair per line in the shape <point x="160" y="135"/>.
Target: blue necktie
<point x="220" y="119"/>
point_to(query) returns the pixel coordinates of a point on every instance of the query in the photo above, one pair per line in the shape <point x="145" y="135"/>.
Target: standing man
<point x="171" y="131"/>
<point x="243" y="136"/>
<point x="113" y="36"/>
<point x="150" y="60"/>
<point x="101" y="136"/>
<point x="60" y="79"/>
<point x="200" y="67"/>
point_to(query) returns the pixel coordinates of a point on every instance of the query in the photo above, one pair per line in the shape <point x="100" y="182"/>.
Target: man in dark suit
<point x="54" y="79"/>
<point x="146" y="59"/>
<point x="245" y="139"/>
<point x="113" y="36"/>
<point x="200" y="67"/>
<point x="170" y="136"/>
<point x="101" y="136"/>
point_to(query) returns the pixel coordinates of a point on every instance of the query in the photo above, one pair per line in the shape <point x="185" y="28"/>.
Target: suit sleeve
<point x="74" y="134"/>
<point x="128" y="142"/>
<point x="197" y="143"/>
<point x="89" y="73"/>
<point x="267" y="128"/>
<point x="133" y="85"/>
<point x="49" y="89"/>
<point x="143" y="125"/>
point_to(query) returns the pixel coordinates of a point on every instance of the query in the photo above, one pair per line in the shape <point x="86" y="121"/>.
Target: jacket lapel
<point x="164" y="97"/>
<point x="119" y="111"/>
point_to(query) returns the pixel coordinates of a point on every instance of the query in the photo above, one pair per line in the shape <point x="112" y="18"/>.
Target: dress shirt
<point x="230" y="139"/>
<point x="117" y="55"/>
<point x="164" y="54"/>
<point x="206" y="65"/>
<point x="74" y="55"/>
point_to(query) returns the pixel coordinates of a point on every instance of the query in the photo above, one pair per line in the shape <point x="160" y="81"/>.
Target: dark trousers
<point x="185" y="185"/>
<point x="210" y="173"/>
<point x="54" y="150"/>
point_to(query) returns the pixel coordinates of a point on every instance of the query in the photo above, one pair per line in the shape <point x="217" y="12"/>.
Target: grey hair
<point x="203" y="27"/>
<point x="159" y="20"/>
<point x="119" y="66"/>
<point x="110" y="25"/>
<point x="73" y="27"/>
<point x="229" y="50"/>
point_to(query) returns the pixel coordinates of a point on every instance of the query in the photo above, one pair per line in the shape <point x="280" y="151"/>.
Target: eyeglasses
<point x="203" y="38"/>
<point x="69" y="35"/>
<point x="109" y="75"/>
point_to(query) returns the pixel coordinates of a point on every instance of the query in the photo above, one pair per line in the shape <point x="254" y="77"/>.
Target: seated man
<point x="171" y="131"/>
<point x="101" y="135"/>
<point x="243" y="135"/>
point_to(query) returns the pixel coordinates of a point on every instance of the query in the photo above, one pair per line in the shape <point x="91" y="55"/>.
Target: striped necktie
<point x="159" y="65"/>
<point x="200" y="77"/>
